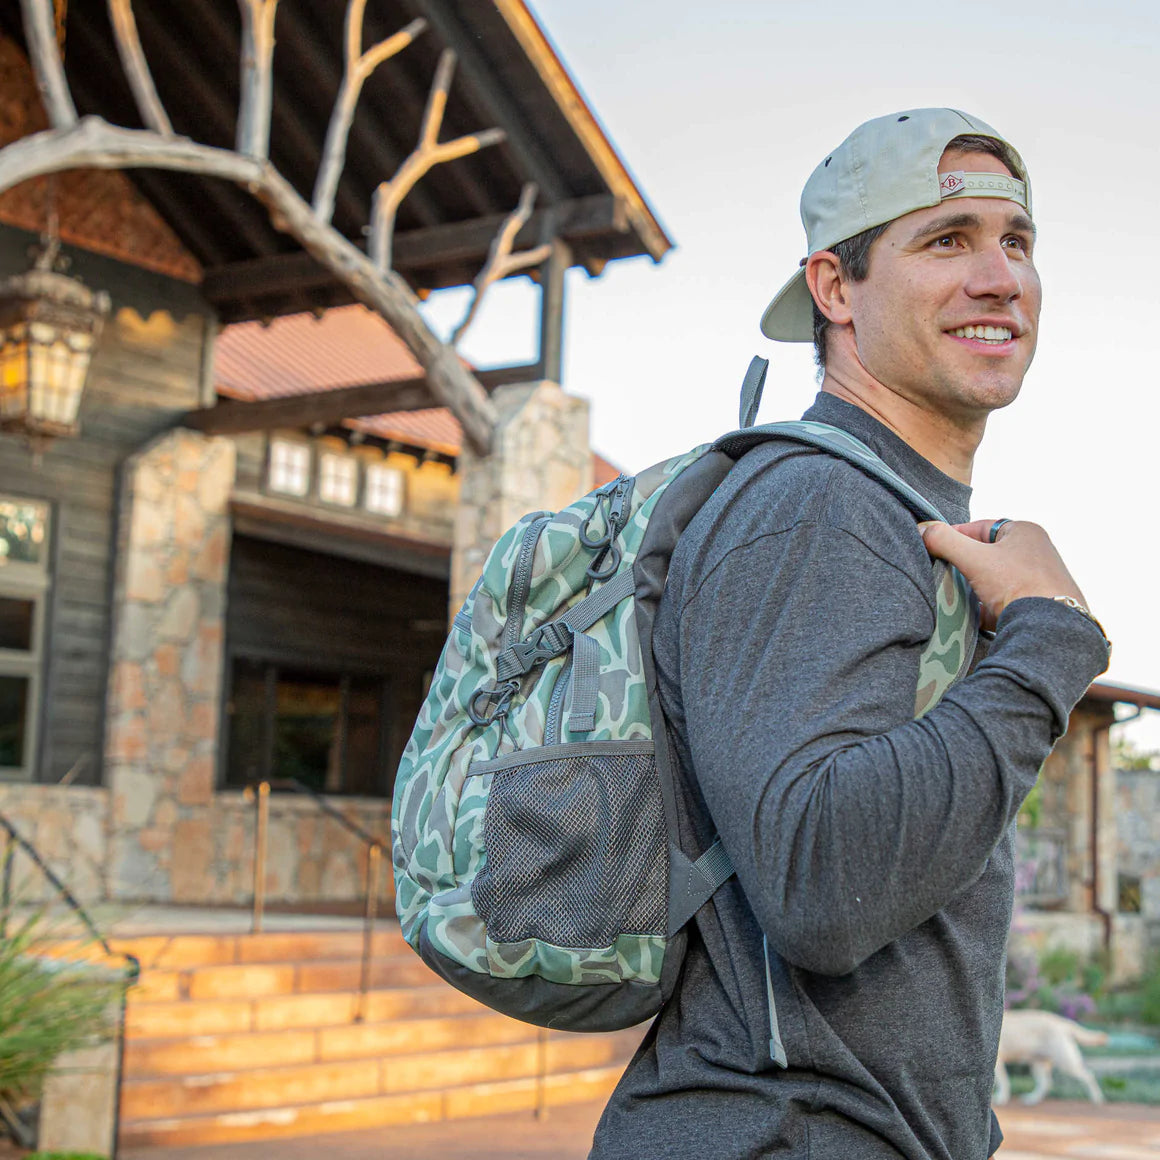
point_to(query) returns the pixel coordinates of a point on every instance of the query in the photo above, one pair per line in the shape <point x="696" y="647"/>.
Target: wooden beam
<point x="507" y="376"/>
<point x="496" y="106"/>
<point x="235" y="418"/>
<point x="431" y="248"/>
<point x="552" y="311"/>
<point x="329" y="407"/>
<point x="562" y="89"/>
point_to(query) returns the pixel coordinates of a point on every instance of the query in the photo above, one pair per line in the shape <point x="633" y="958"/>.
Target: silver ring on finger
<point x="993" y="535"/>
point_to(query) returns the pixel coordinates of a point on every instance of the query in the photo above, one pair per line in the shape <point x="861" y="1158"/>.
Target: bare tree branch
<point x="428" y="153"/>
<point x="501" y="262"/>
<point x="93" y="143"/>
<point x="44" y="55"/>
<point x="257" y="78"/>
<point x="137" y="68"/>
<point x="358" y="67"/>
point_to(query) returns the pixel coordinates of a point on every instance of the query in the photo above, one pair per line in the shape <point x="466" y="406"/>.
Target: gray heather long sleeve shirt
<point x="874" y="851"/>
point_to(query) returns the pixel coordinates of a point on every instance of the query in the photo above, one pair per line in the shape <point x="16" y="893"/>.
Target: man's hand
<point x="1022" y="562"/>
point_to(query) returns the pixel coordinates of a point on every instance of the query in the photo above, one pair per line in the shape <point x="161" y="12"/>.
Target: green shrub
<point x="1150" y="993"/>
<point x="65" y="1156"/>
<point x="47" y="1007"/>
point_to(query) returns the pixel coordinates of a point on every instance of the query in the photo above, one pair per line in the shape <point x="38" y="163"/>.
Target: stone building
<point x="239" y="569"/>
<point x="1089" y="847"/>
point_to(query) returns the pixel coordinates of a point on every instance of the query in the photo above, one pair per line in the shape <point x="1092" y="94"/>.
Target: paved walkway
<point x="1055" y="1130"/>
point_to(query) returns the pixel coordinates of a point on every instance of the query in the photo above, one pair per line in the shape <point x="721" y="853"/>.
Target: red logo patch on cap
<point x="951" y="183"/>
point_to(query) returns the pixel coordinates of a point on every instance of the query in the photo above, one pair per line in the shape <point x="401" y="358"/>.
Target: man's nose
<point x="994" y="275"/>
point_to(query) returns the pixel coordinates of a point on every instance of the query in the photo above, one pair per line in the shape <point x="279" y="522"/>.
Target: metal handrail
<point x="132" y="963"/>
<point x="260" y="793"/>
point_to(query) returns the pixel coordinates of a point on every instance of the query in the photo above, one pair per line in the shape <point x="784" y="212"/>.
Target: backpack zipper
<point x="522" y="581"/>
<point x="552" y="724"/>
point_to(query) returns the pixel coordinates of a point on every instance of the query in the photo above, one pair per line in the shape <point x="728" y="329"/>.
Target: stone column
<point x="540" y="458"/>
<point x="165" y="665"/>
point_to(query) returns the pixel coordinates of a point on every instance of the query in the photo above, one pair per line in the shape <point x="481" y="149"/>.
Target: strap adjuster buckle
<point x="543" y="643"/>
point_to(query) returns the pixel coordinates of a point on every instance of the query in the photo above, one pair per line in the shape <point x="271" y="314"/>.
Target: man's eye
<point x="1016" y="243"/>
<point x="946" y="242"/>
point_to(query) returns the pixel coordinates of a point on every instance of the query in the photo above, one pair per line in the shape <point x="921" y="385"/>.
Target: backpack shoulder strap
<point x="837" y="442"/>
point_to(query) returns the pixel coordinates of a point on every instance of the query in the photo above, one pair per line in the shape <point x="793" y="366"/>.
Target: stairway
<point x="249" y="1037"/>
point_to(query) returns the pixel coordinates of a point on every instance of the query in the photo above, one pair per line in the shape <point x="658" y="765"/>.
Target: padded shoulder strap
<point x="837" y="442"/>
<point x="751" y="390"/>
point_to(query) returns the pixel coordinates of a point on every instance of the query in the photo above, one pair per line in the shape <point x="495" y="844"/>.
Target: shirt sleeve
<point x="996" y="1135"/>
<point x="849" y="822"/>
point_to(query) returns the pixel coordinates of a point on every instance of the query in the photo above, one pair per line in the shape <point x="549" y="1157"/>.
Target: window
<point x="338" y="479"/>
<point x="1130" y="894"/>
<point x="384" y="491"/>
<point x="289" y="467"/>
<point x="324" y="729"/>
<point x="24" y="584"/>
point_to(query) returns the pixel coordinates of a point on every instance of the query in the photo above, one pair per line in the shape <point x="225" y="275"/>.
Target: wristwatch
<point x="1074" y="604"/>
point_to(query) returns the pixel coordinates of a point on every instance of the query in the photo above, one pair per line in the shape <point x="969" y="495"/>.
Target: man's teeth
<point x="986" y="333"/>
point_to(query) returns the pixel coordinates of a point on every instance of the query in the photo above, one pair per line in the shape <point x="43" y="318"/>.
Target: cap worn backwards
<point x="885" y="168"/>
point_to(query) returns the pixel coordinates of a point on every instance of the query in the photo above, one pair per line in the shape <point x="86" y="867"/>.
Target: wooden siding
<point x="298" y="607"/>
<point x="145" y="375"/>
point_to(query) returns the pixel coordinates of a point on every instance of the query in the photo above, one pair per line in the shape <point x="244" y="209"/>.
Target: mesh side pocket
<point x="575" y="849"/>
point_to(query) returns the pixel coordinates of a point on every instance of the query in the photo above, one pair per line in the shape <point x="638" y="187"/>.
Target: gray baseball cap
<point x="885" y="168"/>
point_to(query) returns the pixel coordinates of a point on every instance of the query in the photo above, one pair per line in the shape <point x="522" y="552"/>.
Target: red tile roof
<point x="349" y="346"/>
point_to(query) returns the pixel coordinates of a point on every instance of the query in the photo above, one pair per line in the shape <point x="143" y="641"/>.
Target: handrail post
<point x="260" y="831"/>
<point x="374" y="866"/>
<point x="541" y="1111"/>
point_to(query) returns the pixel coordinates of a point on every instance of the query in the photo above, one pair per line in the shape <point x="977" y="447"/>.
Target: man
<point x="843" y="993"/>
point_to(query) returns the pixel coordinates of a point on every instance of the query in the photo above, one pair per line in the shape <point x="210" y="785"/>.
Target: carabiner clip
<point x="501" y="694"/>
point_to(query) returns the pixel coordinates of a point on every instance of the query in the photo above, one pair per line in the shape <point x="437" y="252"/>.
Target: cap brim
<point x="790" y="316"/>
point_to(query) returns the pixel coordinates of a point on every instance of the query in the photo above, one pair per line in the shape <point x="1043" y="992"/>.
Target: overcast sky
<point x="721" y="112"/>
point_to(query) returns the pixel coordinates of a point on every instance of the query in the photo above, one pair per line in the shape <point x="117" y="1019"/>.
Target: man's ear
<point x="829" y="286"/>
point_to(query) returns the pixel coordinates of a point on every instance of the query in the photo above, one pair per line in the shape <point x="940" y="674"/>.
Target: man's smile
<point x="991" y="336"/>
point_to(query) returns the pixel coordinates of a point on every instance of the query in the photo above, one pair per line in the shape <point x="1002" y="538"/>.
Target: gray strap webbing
<point x="776" y="1048"/>
<point x="692" y="884"/>
<point x="581" y="617"/>
<point x="585" y="683"/>
<point x="586" y="651"/>
<point x="566" y="630"/>
<point x="751" y="390"/>
<point x="714" y="866"/>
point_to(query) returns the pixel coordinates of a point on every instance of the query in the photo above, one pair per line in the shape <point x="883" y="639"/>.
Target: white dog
<point x="1045" y="1042"/>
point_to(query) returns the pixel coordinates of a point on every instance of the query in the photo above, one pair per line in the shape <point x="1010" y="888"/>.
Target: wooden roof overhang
<point x="508" y="76"/>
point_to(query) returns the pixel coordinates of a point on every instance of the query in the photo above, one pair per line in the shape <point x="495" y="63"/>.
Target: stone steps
<point x="481" y="1099"/>
<point x="261" y="1037"/>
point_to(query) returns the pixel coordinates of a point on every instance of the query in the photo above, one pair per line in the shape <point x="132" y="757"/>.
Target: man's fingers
<point x="957" y="545"/>
<point x="978" y="529"/>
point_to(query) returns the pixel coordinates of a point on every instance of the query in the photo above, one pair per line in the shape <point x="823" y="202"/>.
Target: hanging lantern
<point x="49" y="325"/>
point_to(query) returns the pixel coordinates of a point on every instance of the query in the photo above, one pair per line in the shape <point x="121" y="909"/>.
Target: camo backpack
<point x="537" y="862"/>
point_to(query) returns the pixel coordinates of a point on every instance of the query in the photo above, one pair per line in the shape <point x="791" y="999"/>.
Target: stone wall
<point x="68" y="826"/>
<point x="1067" y="802"/>
<point x="310" y="857"/>
<point x="540" y="458"/>
<point x="1138" y="852"/>
<point x="165" y="664"/>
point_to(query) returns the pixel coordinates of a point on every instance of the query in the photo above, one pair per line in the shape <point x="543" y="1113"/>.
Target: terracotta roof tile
<point x="347" y="347"/>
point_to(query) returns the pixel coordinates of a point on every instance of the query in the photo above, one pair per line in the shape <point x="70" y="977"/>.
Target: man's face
<point x="948" y="314"/>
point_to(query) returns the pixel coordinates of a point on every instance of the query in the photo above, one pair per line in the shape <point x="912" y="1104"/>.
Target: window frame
<point x="369" y="471"/>
<point x="312" y="473"/>
<point x="32" y="582"/>
<point x="350" y="463"/>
